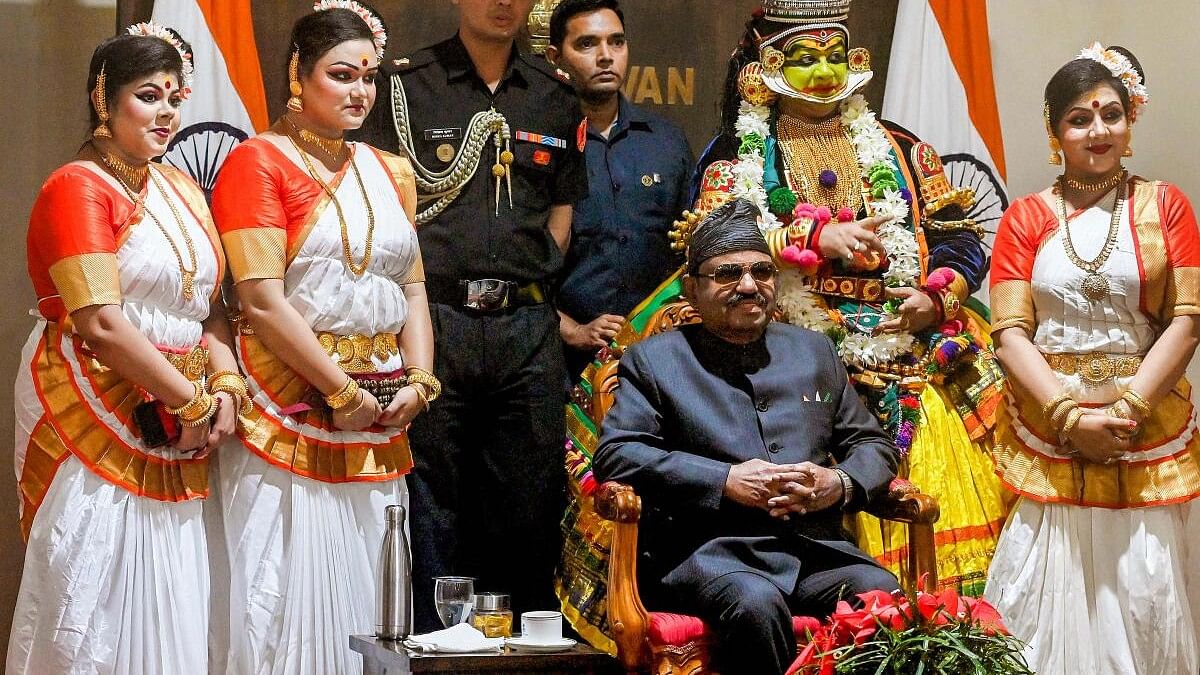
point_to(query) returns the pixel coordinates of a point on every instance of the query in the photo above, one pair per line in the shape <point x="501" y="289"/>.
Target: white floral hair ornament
<point x="1122" y="69"/>
<point x="151" y="29"/>
<point x="374" y="24"/>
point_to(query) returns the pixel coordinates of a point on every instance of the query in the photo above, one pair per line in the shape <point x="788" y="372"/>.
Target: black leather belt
<point x="485" y="295"/>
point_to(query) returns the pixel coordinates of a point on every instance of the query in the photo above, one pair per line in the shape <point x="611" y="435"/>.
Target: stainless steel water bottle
<point x="394" y="600"/>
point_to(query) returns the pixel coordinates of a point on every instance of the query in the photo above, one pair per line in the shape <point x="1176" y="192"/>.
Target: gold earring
<point x="1055" y="148"/>
<point x="101" y="106"/>
<point x="1128" y="151"/>
<point x="294" y="103"/>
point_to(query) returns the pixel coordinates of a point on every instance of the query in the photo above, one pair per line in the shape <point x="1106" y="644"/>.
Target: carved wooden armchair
<point x="673" y="644"/>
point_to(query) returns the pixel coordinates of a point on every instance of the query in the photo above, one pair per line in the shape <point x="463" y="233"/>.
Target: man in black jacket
<point x="747" y="443"/>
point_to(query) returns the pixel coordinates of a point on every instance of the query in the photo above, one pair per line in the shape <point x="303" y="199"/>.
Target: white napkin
<point x="459" y="639"/>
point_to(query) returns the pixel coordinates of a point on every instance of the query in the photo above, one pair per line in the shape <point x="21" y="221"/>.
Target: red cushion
<point x="675" y="629"/>
<point x="680" y="629"/>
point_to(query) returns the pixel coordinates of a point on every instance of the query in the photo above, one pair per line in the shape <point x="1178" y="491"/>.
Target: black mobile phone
<point x="155" y="425"/>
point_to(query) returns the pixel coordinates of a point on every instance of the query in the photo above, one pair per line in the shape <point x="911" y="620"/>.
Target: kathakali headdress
<point x="820" y="23"/>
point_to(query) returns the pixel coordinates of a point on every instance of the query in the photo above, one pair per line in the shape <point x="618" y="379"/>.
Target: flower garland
<point x="187" y="71"/>
<point x="795" y="296"/>
<point x="374" y="24"/>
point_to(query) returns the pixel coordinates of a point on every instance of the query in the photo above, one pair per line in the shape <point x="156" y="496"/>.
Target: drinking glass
<point x="454" y="598"/>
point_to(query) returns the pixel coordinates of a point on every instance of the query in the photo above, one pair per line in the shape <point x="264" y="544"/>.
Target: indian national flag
<point x="228" y="103"/>
<point x="940" y="87"/>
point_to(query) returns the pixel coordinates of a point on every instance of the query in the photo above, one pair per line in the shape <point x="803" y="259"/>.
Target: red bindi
<point x="1095" y="104"/>
<point x="168" y="84"/>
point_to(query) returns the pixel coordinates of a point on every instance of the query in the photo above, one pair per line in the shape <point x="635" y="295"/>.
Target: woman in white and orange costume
<point x="126" y="264"/>
<point x="323" y="250"/>
<point x="1095" y="293"/>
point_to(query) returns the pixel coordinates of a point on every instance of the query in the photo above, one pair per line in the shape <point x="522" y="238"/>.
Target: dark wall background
<point x="668" y="36"/>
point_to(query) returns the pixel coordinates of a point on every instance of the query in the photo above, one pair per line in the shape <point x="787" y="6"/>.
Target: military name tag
<point x="447" y="134"/>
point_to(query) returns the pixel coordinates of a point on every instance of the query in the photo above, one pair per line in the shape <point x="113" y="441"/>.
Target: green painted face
<point x="817" y="68"/>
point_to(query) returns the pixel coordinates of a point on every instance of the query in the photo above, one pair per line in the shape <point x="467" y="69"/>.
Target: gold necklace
<point x="188" y="277"/>
<point x="333" y="147"/>
<point x="809" y="150"/>
<point x="1101" y="186"/>
<point x="355" y="268"/>
<point x="131" y="177"/>
<point x="1095" y="285"/>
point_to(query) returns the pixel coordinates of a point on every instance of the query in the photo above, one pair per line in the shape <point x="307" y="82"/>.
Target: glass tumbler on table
<point x="454" y="598"/>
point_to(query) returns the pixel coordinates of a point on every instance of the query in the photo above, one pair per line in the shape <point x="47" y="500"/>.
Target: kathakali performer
<point x="878" y="255"/>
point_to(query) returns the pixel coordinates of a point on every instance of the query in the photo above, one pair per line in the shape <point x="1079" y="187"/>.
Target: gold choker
<point x="132" y="177"/>
<point x="1100" y="186"/>
<point x="333" y="147"/>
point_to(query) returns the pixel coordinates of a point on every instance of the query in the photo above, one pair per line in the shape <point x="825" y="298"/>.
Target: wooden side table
<point x="385" y="657"/>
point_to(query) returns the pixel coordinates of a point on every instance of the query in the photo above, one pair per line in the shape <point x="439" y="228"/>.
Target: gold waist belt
<point x="1095" y="368"/>
<point x="354" y="352"/>
<point x="855" y="288"/>
<point x="193" y="363"/>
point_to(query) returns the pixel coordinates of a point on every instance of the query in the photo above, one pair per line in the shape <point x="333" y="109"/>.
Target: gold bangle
<point x="204" y="417"/>
<point x="192" y="408"/>
<point x="1072" y="420"/>
<point x="1060" y="413"/>
<point x="421" y="393"/>
<point x="343" y="396"/>
<point x="1137" y="403"/>
<point x="1052" y="404"/>
<point x="422" y="376"/>
<point x="233" y="384"/>
<point x="361" y="400"/>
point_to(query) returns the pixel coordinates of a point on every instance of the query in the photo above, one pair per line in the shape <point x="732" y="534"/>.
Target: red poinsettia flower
<point x="857" y="625"/>
<point x="806" y="627"/>
<point x="985" y="616"/>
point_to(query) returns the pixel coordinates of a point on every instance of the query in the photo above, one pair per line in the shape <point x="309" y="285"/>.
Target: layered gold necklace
<point x="125" y="175"/>
<point x="355" y="268"/>
<point x="812" y="149"/>
<point x="1101" y="186"/>
<point x="1095" y="285"/>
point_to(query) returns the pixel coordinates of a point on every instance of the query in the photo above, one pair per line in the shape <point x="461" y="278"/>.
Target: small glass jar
<point x="493" y="614"/>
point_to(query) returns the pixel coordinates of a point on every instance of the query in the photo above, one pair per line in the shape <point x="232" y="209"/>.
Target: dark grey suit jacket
<point x="690" y="405"/>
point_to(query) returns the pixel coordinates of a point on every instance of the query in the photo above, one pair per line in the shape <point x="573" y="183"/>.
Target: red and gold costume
<point x="306" y="497"/>
<point x="99" y="508"/>
<point x="1092" y="569"/>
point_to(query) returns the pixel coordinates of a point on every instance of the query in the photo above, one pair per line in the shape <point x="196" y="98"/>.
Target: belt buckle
<point x="487" y="295"/>
<point x="1096" y="369"/>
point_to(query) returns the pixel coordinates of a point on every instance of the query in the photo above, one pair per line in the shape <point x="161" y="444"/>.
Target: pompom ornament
<point x="828" y="179"/>
<point x="806" y="261"/>
<point x="845" y="215"/>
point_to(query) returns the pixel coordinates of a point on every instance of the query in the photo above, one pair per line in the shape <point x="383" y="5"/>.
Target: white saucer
<point x="524" y="645"/>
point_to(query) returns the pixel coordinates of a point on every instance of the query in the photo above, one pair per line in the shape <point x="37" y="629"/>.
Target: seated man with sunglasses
<point x="747" y="443"/>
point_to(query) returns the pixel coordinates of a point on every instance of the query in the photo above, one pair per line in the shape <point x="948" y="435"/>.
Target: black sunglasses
<point x="731" y="273"/>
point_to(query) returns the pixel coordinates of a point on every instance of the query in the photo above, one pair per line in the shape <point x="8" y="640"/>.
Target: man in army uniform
<point x="496" y="138"/>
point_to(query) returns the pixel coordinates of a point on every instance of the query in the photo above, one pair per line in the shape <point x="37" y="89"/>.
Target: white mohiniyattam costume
<point x="1096" y="568"/>
<point x="303" y="501"/>
<point x="116" y="571"/>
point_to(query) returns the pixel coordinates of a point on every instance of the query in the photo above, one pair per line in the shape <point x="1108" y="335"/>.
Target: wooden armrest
<point x="627" y="616"/>
<point x="905" y="503"/>
<point x="618" y="502"/>
<point x="906" y="507"/>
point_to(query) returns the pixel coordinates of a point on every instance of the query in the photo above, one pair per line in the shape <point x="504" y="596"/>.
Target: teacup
<point x="541" y="627"/>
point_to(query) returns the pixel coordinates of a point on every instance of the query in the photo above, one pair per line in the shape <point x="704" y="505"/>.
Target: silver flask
<point x="394" y="599"/>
